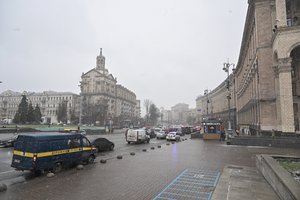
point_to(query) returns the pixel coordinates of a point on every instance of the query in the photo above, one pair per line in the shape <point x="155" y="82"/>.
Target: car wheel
<point x="57" y="168"/>
<point x="148" y="140"/>
<point x="91" y="159"/>
<point x="111" y="147"/>
<point x="128" y="142"/>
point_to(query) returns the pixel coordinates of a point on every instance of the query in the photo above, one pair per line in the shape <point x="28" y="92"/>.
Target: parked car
<point x="103" y="144"/>
<point x="8" y="142"/>
<point x="161" y="135"/>
<point x="172" y="136"/>
<point x="137" y="136"/>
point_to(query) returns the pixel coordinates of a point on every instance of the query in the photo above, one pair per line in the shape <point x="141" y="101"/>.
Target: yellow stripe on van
<point x="19" y="153"/>
<point x="51" y="153"/>
<point x="27" y="154"/>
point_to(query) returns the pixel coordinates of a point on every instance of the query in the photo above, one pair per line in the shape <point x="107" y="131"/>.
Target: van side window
<point x="58" y="144"/>
<point x="74" y="143"/>
<point x="85" y="142"/>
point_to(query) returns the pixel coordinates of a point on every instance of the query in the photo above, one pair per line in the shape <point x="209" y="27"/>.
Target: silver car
<point x="161" y="135"/>
<point x="173" y="136"/>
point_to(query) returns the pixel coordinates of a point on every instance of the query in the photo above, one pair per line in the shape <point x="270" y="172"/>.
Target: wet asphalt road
<point x="142" y="176"/>
<point x="10" y="176"/>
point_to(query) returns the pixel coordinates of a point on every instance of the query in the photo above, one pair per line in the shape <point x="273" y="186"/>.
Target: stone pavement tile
<point x="240" y="182"/>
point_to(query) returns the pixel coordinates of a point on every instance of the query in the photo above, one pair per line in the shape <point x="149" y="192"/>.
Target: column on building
<point x="280" y="13"/>
<point x="285" y="95"/>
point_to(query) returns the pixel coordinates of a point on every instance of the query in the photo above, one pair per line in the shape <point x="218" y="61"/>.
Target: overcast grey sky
<point x="168" y="51"/>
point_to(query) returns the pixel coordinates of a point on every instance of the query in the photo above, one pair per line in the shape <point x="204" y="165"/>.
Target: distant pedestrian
<point x="222" y="137"/>
<point x="237" y="132"/>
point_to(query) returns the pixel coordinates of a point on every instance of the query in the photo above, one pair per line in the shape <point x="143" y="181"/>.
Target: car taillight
<point x="34" y="158"/>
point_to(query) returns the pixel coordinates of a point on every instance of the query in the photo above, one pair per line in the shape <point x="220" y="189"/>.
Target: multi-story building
<point x="214" y="104"/>
<point x="179" y="113"/>
<point x="48" y="102"/>
<point x="98" y="87"/>
<point x="266" y="82"/>
<point x="138" y="109"/>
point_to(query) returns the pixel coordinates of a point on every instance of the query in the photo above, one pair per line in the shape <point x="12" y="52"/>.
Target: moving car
<point x="161" y="135"/>
<point x="137" y="136"/>
<point x="172" y="136"/>
<point x="103" y="144"/>
<point x="8" y="142"/>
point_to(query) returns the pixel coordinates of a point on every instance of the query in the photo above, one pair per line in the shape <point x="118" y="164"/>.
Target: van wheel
<point x="91" y="159"/>
<point x="57" y="168"/>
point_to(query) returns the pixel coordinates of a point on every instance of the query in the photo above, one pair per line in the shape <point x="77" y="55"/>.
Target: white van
<point x="137" y="136"/>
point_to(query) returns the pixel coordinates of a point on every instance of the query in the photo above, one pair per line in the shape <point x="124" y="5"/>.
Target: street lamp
<point x="226" y="67"/>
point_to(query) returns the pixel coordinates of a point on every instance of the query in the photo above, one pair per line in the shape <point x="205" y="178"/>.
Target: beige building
<point x="48" y="102"/>
<point x="179" y="113"/>
<point x="98" y="87"/>
<point x="266" y="82"/>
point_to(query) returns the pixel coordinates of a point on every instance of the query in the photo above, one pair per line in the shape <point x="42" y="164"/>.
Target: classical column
<point x="285" y="95"/>
<point x="281" y="13"/>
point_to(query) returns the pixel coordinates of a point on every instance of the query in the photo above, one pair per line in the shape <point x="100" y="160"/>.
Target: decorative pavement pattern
<point x="191" y="184"/>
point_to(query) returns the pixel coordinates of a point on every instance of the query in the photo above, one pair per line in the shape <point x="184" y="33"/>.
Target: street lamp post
<point x="226" y="67"/>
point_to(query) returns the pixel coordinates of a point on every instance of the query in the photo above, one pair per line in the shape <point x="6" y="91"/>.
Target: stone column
<point x="285" y="95"/>
<point x="280" y="13"/>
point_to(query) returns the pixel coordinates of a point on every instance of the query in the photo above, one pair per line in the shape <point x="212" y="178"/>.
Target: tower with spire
<point x="100" y="62"/>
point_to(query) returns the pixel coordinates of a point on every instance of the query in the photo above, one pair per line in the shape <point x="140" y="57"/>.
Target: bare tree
<point x="147" y="104"/>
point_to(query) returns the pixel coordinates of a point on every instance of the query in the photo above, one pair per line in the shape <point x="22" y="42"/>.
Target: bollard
<point x="3" y="187"/>
<point x="79" y="167"/>
<point x="50" y="175"/>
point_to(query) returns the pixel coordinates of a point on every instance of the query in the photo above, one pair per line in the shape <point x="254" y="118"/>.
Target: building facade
<point x="265" y="86"/>
<point x="98" y="87"/>
<point x="179" y="113"/>
<point x="48" y="102"/>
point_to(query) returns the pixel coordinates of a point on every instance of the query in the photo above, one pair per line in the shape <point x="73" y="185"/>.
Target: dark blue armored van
<point x="51" y="151"/>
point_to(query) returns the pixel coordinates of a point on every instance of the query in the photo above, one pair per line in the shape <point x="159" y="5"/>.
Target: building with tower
<point x="100" y="91"/>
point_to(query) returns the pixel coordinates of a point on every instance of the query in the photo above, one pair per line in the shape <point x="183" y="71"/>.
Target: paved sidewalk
<point x="240" y="182"/>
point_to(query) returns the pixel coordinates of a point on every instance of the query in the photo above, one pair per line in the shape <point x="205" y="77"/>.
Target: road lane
<point x="8" y="174"/>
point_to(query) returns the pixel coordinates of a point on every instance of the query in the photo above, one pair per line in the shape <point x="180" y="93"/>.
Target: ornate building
<point x="98" y="87"/>
<point x="48" y="102"/>
<point x="266" y="82"/>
